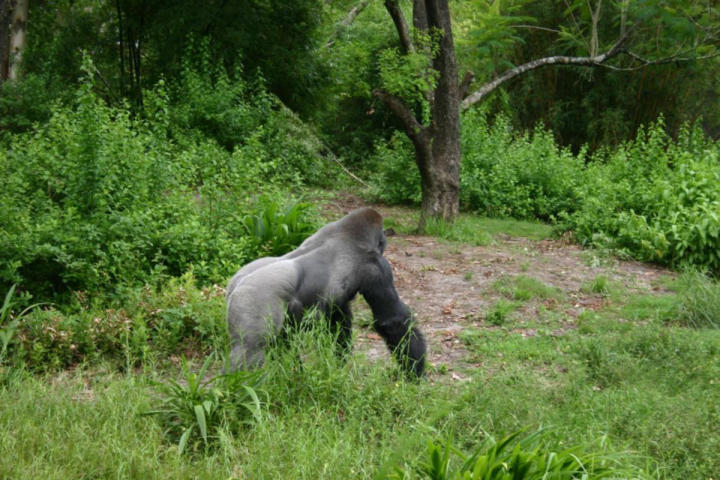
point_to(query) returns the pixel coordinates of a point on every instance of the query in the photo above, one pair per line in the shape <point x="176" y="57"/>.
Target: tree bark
<point x="401" y="26"/>
<point x="5" y="10"/>
<point x="441" y="189"/>
<point x="18" y="38"/>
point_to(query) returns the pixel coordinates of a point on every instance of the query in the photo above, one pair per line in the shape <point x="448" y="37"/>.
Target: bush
<point x="505" y="174"/>
<point x="151" y="325"/>
<point x="397" y="178"/>
<point x="654" y="199"/>
<point x="210" y="102"/>
<point x="97" y="199"/>
<point x="94" y="200"/>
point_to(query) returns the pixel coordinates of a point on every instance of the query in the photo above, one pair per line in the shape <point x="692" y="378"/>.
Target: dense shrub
<point x="654" y="199"/>
<point x="505" y="173"/>
<point x="152" y="324"/>
<point x="208" y="101"/>
<point x="96" y="199"/>
<point x="397" y="179"/>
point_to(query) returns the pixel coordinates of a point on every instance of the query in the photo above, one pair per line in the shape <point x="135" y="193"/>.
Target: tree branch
<point x="347" y="21"/>
<point x="591" y="61"/>
<point x="414" y="129"/>
<point x="398" y="18"/>
<point x="536" y="27"/>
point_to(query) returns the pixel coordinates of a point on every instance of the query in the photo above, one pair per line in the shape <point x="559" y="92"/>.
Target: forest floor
<point x="517" y="284"/>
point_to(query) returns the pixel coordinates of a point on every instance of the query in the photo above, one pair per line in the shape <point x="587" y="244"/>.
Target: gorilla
<point x="326" y="272"/>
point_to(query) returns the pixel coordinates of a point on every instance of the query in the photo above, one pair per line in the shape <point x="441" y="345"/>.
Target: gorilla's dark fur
<point x="326" y="271"/>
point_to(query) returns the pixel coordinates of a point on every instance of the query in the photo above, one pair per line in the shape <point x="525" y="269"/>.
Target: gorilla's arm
<point x="393" y="320"/>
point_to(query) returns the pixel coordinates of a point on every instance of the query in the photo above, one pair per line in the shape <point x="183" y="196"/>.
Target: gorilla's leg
<point x="394" y="321"/>
<point x="252" y="319"/>
<point x="341" y="326"/>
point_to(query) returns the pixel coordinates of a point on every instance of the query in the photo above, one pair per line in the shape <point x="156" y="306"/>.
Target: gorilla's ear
<point x="389" y="232"/>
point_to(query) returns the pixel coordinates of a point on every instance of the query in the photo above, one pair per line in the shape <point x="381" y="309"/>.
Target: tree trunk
<point x="441" y="181"/>
<point x="18" y="37"/>
<point x="5" y="10"/>
<point x="437" y="146"/>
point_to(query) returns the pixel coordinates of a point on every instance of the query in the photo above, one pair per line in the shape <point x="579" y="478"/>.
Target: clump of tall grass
<point x="699" y="304"/>
<point x="196" y="409"/>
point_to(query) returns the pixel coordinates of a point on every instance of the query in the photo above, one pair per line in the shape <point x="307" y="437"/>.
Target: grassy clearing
<point x="648" y="387"/>
<point x="523" y="288"/>
<point x="631" y="370"/>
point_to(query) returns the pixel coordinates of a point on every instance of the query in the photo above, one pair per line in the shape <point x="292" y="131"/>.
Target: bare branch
<point x="398" y="18"/>
<point x="643" y="62"/>
<point x="347" y="21"/>
<point x="596" y="61"/>
<point x="520" y="69"/>
<point x="348" y="172"/>
<point x="592" y="61"/>
<point x="536" y="27"/>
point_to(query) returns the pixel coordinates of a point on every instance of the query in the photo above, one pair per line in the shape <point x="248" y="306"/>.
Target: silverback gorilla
<point x="326" y="271"/>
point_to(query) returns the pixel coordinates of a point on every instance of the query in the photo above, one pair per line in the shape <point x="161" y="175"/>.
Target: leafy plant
<point x="195" y="410"/>
<point x="500" y="312"/>
<point x="276" y="227"/>
<point x="9" y="323"/>
<point x="529" y="458"/>
<point x="600" y="285"/>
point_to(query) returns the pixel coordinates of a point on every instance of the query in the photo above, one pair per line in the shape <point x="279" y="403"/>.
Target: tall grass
<point x="699" y="300"/>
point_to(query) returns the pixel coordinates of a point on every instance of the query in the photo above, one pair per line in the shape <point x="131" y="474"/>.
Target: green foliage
<point x="505" y="173"/>
<point x="269" y="141"/>
<point x="529" y="458"/>
<point x="198" y="409"/>
<point x="654" y="199"/>
<point x="151" y="325"/>
<point x="498" y="315"/>
<point x="410" y="76"/>
<point x="26" y="103"/>
<point x="275" y="229"/>
<point x="98" y="199"/>
<point x="397" y="176"/>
